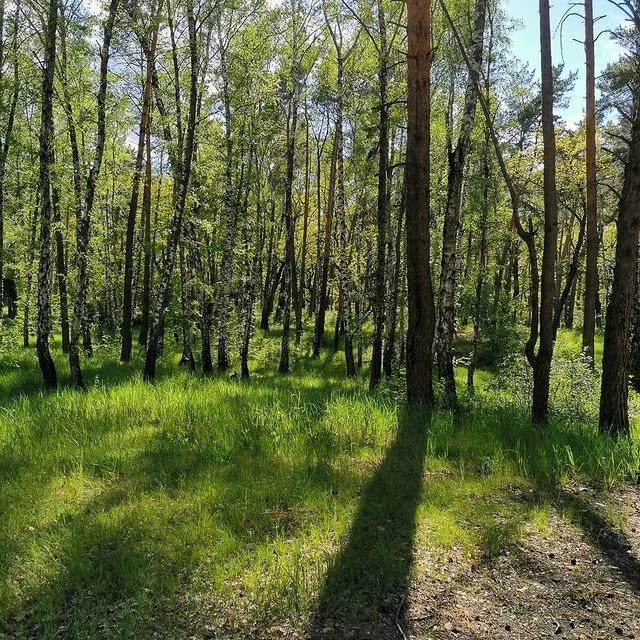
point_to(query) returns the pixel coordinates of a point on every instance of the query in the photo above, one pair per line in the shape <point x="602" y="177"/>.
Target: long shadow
<point x="369" y="578"/>
<point x="612" y="543"/>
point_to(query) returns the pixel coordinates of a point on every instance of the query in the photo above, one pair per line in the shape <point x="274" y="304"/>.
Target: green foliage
<point x="575" y="387"/>
<point x="498" y="343"/>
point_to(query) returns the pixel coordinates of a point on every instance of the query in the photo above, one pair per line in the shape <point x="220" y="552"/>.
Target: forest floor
<point x="304" y="506"/>
<point x="576" y="576"/>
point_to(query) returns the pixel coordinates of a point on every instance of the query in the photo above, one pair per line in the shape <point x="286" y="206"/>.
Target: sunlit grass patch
<point x="273" y="494"/>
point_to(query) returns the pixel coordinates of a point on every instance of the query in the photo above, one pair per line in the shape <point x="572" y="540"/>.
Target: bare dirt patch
<point x="580" y="578"/>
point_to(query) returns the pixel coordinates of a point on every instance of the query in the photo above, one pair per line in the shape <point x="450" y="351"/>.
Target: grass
<point x="133" y="508"/>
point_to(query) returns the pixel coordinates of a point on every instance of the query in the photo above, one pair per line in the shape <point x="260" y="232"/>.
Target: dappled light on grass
<point x="301" y="498"/>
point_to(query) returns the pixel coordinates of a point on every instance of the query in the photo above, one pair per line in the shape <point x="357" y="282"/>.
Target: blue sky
<point x="526" y="41"/>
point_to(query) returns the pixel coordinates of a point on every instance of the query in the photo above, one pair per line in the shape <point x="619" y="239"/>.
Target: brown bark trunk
<point x="421" y="320"/>
<point x="634" y="359"/>
<point x="542" y="366"/>
<point x="614" y="397"/>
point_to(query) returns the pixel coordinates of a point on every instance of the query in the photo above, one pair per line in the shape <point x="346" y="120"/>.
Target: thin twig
<point x="404" y="637"/>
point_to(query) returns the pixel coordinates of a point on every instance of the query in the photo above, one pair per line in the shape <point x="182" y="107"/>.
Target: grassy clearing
<point x="284" y="496"/>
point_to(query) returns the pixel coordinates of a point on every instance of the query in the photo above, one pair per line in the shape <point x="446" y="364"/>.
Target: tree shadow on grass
<point x="540" y="450"/>
<point x="369" y="578"/>
<point x="119" y="564"/>
<point x="541" y="453"/>
<point x="610" y="541"/>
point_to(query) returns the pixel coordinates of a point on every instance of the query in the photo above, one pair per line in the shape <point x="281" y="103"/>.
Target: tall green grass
<point x="131" y="507"/>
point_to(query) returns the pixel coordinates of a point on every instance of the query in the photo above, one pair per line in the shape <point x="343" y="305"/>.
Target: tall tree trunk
<point x="247" y="328"/>
<point x="272" y="283"/>
<point x="421" y="320"/>
<point x="80" y="322"/>
<point x="515" y="275"/>
<point x="273" y="273"/>
<point x="61" y="269"/>
<point x="591" y="272"/>
<point x="572" y="273"/>
<point x="457" y="161"/>
<point x="345" y="273"/>
<point x="614" y="396"/>
<point x="289" y="284"/>
<point x="337" y="327"/>
<point x="313" y="307"/>
<point x="145" y="122"/>
<point x="229" y="215"/>
<point x="336" y="32"/>
<point x="359" y="307"/>
<point x="180" y="200"/>
<point x="30" y="260"/>
<point x="570" y="307"/>
<point x="288" y="275"/>
<point x="542" y="367"/>
<point x="47" y="366"/>
<point x="206" y="307"/>
<point x="305" y="229"/>
<point x="502" y="264"/>
<point x="482" y="263"/>
<point x="2" y="170"/>
<point x="484" y="218"/>
<point x="252" y="275"/>
<point x="321" y="303"/>
<point x="634" y="358"/>
<point x="389" y="358"/>
<point x="382" y="218"/>
<point x="185" y="304"/>
<point x="146" y="243"/>
<point x="8" y="132"/>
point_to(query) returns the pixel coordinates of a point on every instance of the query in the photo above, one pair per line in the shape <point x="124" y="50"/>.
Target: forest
<point x="319" y="319"/>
